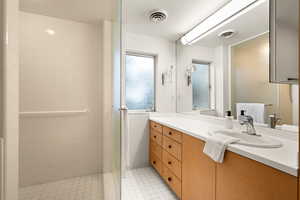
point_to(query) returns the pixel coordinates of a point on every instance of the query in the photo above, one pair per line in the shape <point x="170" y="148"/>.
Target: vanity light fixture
<point x="188" y="73"/>
<point x="226" y="14"/>
<point x="167" y="76"/>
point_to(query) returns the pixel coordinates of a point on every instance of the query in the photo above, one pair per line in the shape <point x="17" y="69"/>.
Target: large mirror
<point x="228" y="69"/>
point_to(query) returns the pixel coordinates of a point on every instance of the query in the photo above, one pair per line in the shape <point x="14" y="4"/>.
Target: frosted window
<point x="201" y="86"/>
<point x="139" y="82"/>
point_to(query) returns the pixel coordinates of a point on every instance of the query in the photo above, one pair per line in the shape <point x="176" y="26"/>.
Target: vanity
<point x="247" y="173"/>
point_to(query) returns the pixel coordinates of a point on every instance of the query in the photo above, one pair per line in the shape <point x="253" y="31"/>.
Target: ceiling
<point x="89" y="11"/>
<point x="183" y="15"/>
<point x="250" y="24"/>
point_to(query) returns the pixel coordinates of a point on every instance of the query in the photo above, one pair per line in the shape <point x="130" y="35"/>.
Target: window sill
<point x="139" y="112"/>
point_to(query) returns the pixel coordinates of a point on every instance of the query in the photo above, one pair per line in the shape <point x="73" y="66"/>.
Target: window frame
<point x="145" y="55"/>
<point x="195" y="62"/>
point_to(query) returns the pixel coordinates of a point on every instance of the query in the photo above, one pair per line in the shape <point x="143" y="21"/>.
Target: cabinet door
<point x="239" y="178"/>
<point x="284" y="33"/>
<point x="198" y="171"/>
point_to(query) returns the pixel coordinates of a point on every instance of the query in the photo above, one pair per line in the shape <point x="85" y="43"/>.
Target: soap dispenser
<point x="228" y="120"/>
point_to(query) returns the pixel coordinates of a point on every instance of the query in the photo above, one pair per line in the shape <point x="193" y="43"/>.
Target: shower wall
<point x="60" y="70"/>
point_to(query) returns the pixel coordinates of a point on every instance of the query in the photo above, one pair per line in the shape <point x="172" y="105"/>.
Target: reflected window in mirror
<point x="201" y="86"/>
<point x="139" y="82"/>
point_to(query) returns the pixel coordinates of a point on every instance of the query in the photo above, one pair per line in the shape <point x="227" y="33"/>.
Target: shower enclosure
<point x="61" y="97"/>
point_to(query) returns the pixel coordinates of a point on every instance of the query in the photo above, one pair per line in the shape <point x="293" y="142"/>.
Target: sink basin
<point x="252" y="140"/>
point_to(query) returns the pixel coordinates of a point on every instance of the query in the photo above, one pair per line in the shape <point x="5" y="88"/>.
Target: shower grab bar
<point x="57" y="113"/>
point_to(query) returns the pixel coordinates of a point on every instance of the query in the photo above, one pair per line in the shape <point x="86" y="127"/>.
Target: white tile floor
<point x="139" y="184"/>
<point x="80" y="188"/>
<point x="145" y="184"/>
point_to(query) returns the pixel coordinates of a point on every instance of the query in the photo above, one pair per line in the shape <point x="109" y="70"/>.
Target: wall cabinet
<point x="180" y="161"/>
<point x="284" y="41"/>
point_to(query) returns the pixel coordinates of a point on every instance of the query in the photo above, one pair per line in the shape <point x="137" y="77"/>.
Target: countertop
<point x="284" y="158"/>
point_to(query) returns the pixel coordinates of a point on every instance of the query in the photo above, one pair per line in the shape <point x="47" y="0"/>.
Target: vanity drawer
<point x="172" y="181"/>
<point x="156" y="137"/>
<point x="157" y="127"/>
<point x="156" y="149"/>
<point x="172" y="147"/>
<point x="171" y="133"/>
<point x="156" y="163"/>
<point x="172" y="163"/>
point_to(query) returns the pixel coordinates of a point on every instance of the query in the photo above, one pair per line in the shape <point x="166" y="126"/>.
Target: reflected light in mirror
<point x="50" y="31"/>
<point x="226" y="14"/>
<point x="265" y="49"/>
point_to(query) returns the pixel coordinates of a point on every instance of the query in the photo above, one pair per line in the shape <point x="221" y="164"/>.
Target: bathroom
<point x="149" y="100"/>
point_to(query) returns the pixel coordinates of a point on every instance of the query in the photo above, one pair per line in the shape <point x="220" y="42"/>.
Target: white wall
<point x="165" y="52"/>
<point x="138" y="130"/>
<point x="138" y="140"/>
<point x="185" y="57"/>
<point x="222" y="83"/>
<point x="59" y="72"/>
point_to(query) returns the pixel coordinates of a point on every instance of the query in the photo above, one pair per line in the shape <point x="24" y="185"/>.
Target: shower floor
<point x="139" y="184"/>
<point x="79" y="188"/>
<point x="145" y="184"/>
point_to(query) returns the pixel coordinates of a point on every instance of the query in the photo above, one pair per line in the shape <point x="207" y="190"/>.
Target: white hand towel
<point x="216" y="145"/>
<point x="256" y="110"/>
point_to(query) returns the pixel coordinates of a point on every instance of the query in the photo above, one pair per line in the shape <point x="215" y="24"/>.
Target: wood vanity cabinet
<point x="242" y="178"/>
<point x="165" y="155"/>
<point x="180" y="161"/>
<point x="198" y="171"/>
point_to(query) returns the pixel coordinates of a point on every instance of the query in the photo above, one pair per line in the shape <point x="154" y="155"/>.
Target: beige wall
<point x="59" y="72"/>
<point x="250" y="79"/>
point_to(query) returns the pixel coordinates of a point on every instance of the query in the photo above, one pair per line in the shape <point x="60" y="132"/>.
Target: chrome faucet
<point x="248" y="121"/>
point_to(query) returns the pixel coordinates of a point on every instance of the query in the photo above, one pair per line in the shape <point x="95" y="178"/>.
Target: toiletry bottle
<point x="228" y="120"/>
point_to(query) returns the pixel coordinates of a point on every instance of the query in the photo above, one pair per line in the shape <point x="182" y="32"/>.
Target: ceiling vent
<point x="158" y="16"/>
<point x="227" y="34"/>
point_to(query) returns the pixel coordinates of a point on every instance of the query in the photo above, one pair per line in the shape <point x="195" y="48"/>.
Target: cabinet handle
<point x="169" y="162"/>
<point x="292" y="79"/>
<point x="169" y="179"/>
<point x="170" y="133"/>
<point x="170" y="146"/>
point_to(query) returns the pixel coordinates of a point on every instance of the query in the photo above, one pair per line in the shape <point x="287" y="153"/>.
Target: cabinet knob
<point x="155" y="126"/>
<point x="170" y="133"/>
<point x="170" y="146"/>
<point x="155" y="136"/>
<point x="169" y="179"/>
<point x="169" y="162"/>
<point x="154" y="162"/>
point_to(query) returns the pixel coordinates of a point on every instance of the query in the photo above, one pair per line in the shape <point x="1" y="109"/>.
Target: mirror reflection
<point x="228" y="69"/>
